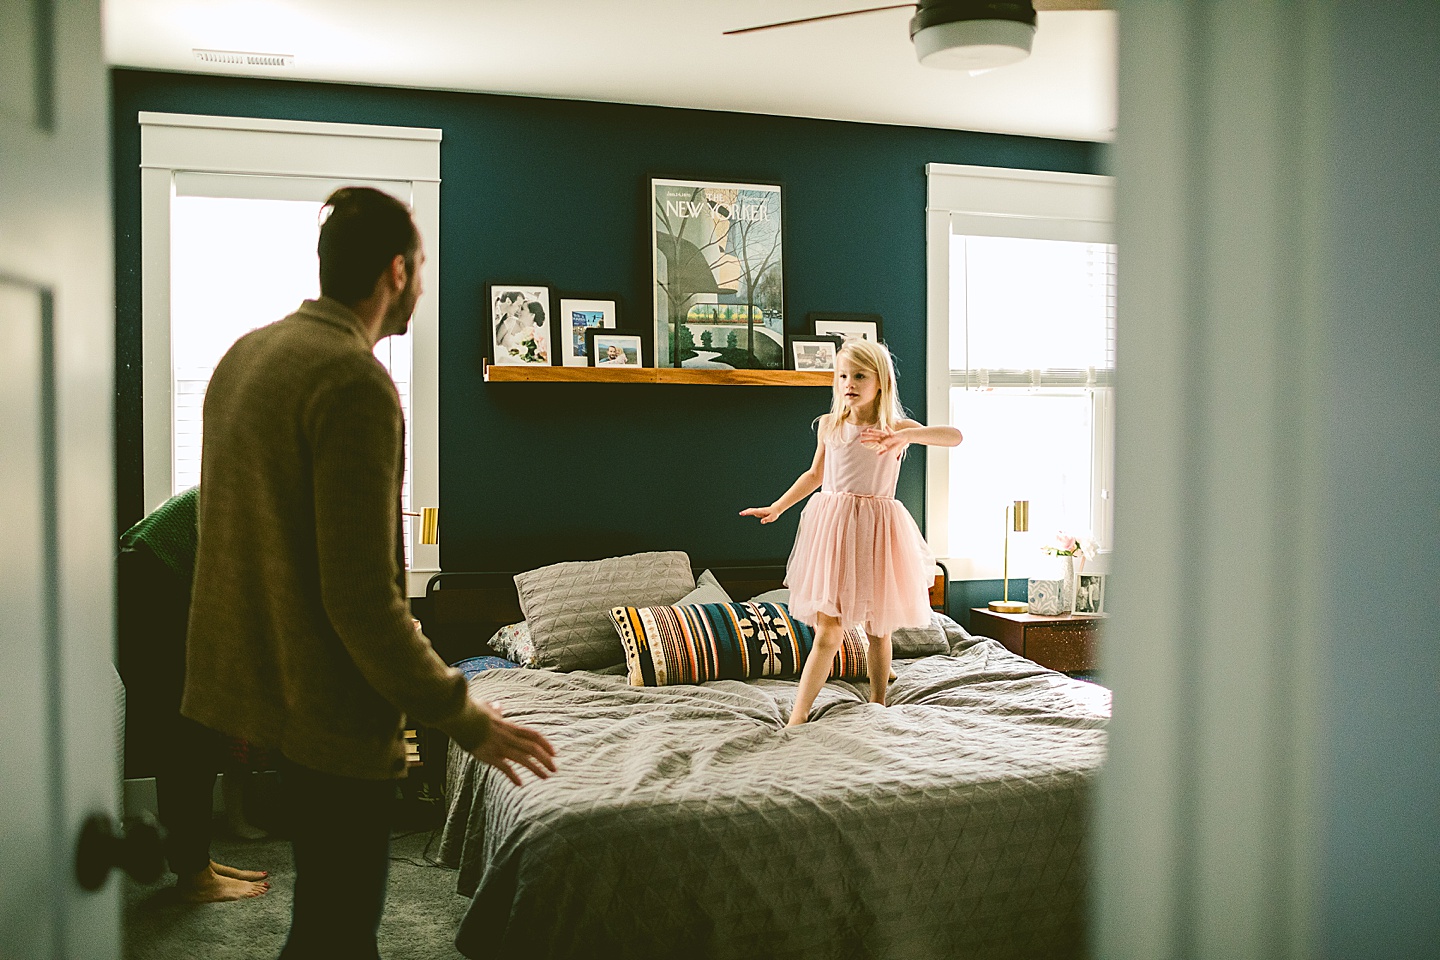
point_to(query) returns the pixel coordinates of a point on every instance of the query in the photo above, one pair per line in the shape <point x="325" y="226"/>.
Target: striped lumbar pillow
<point x="693" y="643"/>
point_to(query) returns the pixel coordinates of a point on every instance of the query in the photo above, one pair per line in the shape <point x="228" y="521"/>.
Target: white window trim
<point x="991" y="201"/>
<point x="177" y="144"/>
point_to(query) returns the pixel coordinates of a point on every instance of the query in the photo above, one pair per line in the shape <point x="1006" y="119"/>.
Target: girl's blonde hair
<point x="874" y="358"/>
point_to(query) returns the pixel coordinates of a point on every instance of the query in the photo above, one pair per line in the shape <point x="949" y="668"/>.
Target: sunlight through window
<point x="238" y="264"/>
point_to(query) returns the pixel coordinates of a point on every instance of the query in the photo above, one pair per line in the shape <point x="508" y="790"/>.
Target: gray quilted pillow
<point x="924" y="641"/>
<point x="568" y="604"/>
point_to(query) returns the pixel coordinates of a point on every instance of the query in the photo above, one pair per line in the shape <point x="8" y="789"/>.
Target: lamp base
<point x="1009" y="606"/>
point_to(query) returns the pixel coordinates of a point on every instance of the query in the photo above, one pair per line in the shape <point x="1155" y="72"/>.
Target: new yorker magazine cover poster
<point x="717" y="275"/>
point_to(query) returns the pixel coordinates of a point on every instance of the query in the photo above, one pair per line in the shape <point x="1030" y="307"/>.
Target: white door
<point x="58" y="755"/>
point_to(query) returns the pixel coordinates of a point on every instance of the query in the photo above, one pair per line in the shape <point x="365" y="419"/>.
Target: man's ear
<point x="399" y="272"/>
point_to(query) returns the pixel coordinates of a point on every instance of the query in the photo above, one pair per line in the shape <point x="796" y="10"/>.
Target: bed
<point x="685" y="821"/>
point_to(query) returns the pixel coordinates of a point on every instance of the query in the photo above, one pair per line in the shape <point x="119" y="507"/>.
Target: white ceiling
<point x="664" y="52"/>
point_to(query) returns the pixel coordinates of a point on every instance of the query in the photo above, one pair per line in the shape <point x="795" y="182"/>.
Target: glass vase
<point x="1070" y="581"/>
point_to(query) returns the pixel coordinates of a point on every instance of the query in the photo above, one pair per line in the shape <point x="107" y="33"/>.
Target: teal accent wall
<point x="555" y="191"/>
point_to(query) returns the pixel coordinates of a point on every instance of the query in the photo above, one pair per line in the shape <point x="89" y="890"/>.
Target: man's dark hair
<point x="362" y="231"/>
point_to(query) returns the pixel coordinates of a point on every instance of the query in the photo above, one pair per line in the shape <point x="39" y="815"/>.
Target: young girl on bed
<point x="858" y="556"/>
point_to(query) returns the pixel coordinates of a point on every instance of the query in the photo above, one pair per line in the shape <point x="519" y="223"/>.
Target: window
<point x="1022" y="360"/>
<point x="230" y="221"/>
<point x="238" y="262"/>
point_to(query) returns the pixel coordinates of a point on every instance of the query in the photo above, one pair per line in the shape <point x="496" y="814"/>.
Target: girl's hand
<point x="885" y="441"/>
<point x="766" y="514"/>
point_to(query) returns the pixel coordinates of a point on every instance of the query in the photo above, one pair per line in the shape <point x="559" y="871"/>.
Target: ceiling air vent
<point x="241" y="58"/>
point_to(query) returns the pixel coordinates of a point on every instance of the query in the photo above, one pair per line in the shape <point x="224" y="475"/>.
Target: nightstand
<point x="1067" y="644"/>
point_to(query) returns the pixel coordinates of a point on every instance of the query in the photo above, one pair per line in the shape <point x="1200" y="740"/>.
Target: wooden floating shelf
<point x="736" y="378"/>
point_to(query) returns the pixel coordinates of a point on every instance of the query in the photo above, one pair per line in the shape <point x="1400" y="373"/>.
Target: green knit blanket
<point x="171" y="532"/>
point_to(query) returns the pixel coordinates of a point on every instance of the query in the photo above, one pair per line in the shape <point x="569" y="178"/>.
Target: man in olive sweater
<point x="300" y="635"/>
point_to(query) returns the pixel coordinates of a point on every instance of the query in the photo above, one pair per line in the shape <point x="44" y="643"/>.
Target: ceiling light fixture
<point x="973" y="35"/>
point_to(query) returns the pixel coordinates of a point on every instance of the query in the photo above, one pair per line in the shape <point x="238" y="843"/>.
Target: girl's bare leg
<point x="828" y="637"/>
<point x="878" y="666"/>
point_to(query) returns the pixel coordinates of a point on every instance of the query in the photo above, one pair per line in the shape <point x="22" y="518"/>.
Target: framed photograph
<point x="866" y="326"/>
<point x="614" y="348"/>
<point x="519" y="322"/>
<point x="1090" y="593"/>
<point x="717" y="275"/>
<point x="573" y="318"/>
<point x="809" y="352"/>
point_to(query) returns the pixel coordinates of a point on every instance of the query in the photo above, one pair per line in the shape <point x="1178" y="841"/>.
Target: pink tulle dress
<point x="858" y="555"/>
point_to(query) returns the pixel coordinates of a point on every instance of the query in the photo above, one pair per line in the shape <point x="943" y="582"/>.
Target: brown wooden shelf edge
<point x="683" y="375"/>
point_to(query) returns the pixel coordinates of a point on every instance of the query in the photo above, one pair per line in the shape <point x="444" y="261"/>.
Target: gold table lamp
<point x="429" y="523"/>
<point x="1018" y="518"/>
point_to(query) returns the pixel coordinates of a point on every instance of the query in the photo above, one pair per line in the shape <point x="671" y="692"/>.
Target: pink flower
<point x="1067" y="546"/>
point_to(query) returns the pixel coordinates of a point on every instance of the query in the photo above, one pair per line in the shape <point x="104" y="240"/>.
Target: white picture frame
<point x="576" y="315"/>
<point x="1090" y="593"/>
<point x="519" y="324"/>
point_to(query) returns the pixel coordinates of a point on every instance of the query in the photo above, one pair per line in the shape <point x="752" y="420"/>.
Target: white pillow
<point x="707" y="590"/>
<point x="778" y="595"/>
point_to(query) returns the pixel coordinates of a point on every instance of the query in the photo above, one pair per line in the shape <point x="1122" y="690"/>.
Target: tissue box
<point x="1047" y="597"/>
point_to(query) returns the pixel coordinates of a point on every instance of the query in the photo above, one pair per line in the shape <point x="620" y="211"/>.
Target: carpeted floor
<point x="422" y="910"/>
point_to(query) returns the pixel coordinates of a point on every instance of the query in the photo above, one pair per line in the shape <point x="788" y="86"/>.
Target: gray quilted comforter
<point x="686" y="822"/>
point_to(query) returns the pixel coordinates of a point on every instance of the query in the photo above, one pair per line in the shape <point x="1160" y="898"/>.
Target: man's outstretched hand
<point x="509" y="743"/>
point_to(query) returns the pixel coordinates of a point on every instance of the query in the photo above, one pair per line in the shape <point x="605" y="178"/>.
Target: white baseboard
<point x="139" y="797"/>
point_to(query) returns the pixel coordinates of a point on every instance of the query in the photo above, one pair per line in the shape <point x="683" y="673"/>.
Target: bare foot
<point x="795" y="723"/>
<point x="236" y="873"/>
<point x="880" y="702"/>
<point x="207" y="886"/>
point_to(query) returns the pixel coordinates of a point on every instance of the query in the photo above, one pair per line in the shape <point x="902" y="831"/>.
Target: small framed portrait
<point x="808" y="352"/>
<point x="866" y="326"/>
<point x="574" y="317"/>
<point x="520" y="327"/>
<point x="614" y="348"/>
<point x="1090" y="593"/>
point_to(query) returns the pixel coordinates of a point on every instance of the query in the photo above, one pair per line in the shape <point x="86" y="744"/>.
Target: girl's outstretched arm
<point x="910" y="431"/>
<point x="804" y="485"/>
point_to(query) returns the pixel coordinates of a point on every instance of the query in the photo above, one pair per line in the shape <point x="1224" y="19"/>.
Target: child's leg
<point x="878" y="666"/>
<point x="828" y="637"/>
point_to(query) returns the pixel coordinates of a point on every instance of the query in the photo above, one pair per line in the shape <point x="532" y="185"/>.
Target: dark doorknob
<point x="139" y="850"/>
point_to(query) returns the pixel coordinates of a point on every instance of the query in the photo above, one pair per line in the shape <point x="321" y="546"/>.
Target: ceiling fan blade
<point x="1052" y="5"/>
<point x="828" y="16"/>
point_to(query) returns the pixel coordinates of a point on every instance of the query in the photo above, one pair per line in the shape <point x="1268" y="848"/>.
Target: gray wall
<point x="1273" y="783"/>
<point x="1380" y="862"/>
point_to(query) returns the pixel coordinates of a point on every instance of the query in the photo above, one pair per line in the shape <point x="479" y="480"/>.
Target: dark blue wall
<point x="555" y="191"/>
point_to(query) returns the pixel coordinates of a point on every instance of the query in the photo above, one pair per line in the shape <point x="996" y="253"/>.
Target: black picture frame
<point x="506" y="340"/>
<point x="793" y="356"/>
<point x="595" y="342"/>
<point x="566" y="302"/>
<point x="869" y="325"/>
<point x="685" y="261"/>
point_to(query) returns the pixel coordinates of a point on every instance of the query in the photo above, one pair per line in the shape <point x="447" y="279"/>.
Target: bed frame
<point x="461" y="611"/>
